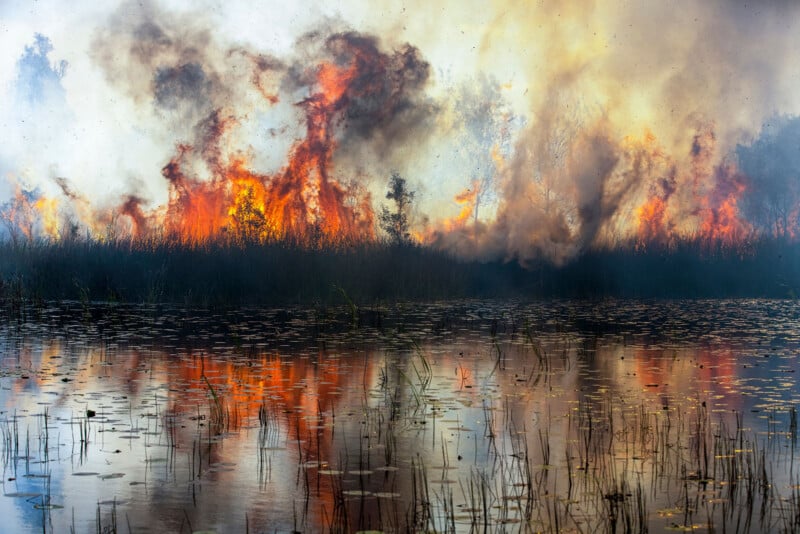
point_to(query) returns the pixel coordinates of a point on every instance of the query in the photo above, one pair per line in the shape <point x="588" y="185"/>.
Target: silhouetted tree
<point x="395" y="222"/>
<point x="37" y="78"/>
<point x="248" y="222"/>
<point x="18" y="217"/>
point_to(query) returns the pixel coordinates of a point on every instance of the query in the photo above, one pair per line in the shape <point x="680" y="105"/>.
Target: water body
<point x="449" y="417"/>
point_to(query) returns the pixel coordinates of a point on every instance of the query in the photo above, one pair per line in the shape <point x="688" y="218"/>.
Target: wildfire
<point x="301" y="203"/>
<point x="27" y="216"/>
<point x="196" y="208"/>
<point x="722" y="221"/>
<point x="466" y="199"/>
<point x="566" y="185"/>
<point x="700" y="201"/>
<point x="214" y="192"/>
<point x="47" y="207"/>
<point x="651" y="216"/>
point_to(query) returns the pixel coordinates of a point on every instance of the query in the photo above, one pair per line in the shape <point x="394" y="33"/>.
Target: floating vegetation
<point x="474" y="416"/>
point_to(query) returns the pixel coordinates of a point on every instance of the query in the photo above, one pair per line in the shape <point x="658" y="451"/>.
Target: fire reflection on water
<point x="393" y="431"/>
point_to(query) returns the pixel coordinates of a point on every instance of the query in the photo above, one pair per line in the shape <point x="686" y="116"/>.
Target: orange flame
<point x="722" y="222"/>
<point x="651" y="220"/>
<point x="301" y="203"/>
<point x="466" y="199"/>
<point x="700" y="201"/>
<point x="196" y="209"/>
<point x="47" y="208"/>
<point x="27" y="217"/>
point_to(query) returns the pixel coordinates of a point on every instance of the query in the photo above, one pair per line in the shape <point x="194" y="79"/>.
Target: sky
<point x="528" y="118"/>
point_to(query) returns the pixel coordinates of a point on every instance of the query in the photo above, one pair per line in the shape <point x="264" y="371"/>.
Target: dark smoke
<point x="208" y="132"/>
<point x="184" y="83"/>
<point x="66" y="188"/>
<point x="132" y="207"/>
<point x="385" y="105"/>
<point x="387" y="89"/>
<point x="593" y="164"/>
<point x="161" y="59"/>
<point x="173" y="64"/>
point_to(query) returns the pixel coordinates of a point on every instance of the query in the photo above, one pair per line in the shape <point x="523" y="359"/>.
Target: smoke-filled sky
<point x="527" y="129"/>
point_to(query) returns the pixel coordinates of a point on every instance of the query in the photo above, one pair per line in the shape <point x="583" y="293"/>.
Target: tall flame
<point x="652" y="220"/>
<point x="700" y="202"/>
<point x="466" y="199"/>
<point x="302" y="202"/>
<point x="572" y="179"/>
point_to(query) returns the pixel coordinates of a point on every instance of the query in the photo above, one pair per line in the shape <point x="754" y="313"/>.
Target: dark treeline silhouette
<point x="688" y="269"/>
<point x="221" y="275"/>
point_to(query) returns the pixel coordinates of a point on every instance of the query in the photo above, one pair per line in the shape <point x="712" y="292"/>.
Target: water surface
<point x="453" y="417"/>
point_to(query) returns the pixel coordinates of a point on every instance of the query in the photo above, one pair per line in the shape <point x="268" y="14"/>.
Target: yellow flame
<point x="47" y="208"/>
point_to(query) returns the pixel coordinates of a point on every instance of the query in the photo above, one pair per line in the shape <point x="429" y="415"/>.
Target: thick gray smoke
<point x="555" y="127"/>
<point x="771" y="164"/>
<point x="172" y="66"/>
<point x="634" y="112"/>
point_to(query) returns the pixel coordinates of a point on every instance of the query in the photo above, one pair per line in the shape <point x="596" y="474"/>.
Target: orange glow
<point x="497" y="158"/>
<point x="791" y="230"/>
<point x="20" y="216"/>
<point x="697" y="201"/>
<point x="648" y="161"/>
<point x="301" y="203"/>
<point x="666" y="373"/>
<point x="466" y="199"/>
<point x="333" y="82"/>
<point x="723" y="224"/>
<point x="196" y="209"/>
<point x="301" y="397"/>
<point x="47" y="208"/>
<point x="651" y="220"/>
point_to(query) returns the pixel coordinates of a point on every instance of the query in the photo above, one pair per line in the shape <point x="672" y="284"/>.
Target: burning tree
<point x="354" y="91"/>
<point x="395" y="223"/>
<point x="486" y="122"/>
<point x="247" y="219"/>
<point x="19" y="216"/>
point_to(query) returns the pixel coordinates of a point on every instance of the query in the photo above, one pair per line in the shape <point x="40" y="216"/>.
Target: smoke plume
<point x="528" y="130"/>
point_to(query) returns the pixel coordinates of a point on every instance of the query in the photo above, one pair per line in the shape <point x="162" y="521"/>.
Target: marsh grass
<point x="220" y="416"/>
<point x="225" y="274"/>
<point x="617" y="462"/>
<point x="430" y="441"/>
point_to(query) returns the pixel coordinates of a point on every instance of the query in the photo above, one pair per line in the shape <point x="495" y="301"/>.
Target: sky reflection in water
<point x="434" y="416"/>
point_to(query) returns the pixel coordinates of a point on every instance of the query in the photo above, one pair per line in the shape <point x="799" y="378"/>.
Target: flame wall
<point x="527" y="130"/>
